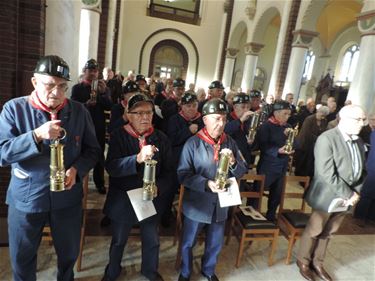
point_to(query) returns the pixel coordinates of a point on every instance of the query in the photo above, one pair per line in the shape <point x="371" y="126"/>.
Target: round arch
<point x="262" y="24"/>
<point x="180" y="37"/>
<point x="236" y="34"/>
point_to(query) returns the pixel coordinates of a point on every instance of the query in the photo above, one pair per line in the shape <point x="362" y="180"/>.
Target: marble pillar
<point x="300" y="46"/>
<point x="62" y="36"/>
<point x="362" y="88"/>
<point x="252" y="50"/>
<point x="89" y="31"/>
<point x="230" y="60"/>
<point x="110" y="33"/>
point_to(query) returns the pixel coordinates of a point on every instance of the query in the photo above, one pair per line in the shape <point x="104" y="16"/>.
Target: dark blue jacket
<point x="29" y="185"/>
<point x="195" y="168"/>
<point x="126" y="174"/>
<point x="179" y="132"/>
<point x="233" y="128"/>
<point x="271" y="137"/>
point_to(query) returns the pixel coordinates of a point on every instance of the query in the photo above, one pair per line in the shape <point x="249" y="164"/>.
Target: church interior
<point x="314" y="49"/>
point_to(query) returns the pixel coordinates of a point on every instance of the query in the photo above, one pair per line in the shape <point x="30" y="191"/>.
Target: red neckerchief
<point x="235" y="117"/>
<point x="141" y="138"/>
<point x="187" y="119"/>
<point x="164" y="93"/>
<point x="37" y="103"/>
<point x="274" y="121"/>
<point x="203" y="135"/>
<point x="87" y="82"/>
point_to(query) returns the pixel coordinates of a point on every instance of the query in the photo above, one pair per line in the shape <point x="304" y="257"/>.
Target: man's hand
<point x="70" y="178"/>
<point x="283" y="151"/>
<point x="193" y="128"/>
<point x="146" y="153"/>
<point x="214" y="187"/>
<point x="352" y="200"/>
<point x="101" y="86"/>
<point x="246" y="116"/>
<point x="48" y="131"/>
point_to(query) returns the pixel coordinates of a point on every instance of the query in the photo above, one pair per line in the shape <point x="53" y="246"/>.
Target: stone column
<point x="300" y="46"/>
<point x="62" y="36"/>
<point x="362" y="89"/>
<point x="89" y="31"/>
<point x="110" y="32"/>
<point x="229" y="66"/>
<point x="252" y="50"/>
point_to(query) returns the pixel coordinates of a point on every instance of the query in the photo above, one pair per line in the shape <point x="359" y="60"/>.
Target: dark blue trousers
<point x="213" y="243"/>
<point x="25" y="233"/>
<point x="150" y="247"/>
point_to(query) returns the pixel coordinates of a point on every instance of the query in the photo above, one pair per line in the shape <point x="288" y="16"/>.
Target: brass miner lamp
<point x="291" y="134"/>
<point x="149" y="186"/>
<point x="223" y="168"/>
<point x="253" y="127"/>
<point x="57" y="169"/>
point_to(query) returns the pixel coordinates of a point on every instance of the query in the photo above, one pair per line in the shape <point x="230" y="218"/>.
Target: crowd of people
<point x="184" y="131"/>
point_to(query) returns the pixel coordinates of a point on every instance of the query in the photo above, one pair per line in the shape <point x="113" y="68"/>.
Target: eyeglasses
<point x="52" y="86"/>
<point x="359" y="119"/>
<point x="142" y="113"/>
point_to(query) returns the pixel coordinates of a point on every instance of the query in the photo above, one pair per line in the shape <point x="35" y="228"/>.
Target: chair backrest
<point x="179" y="206"/>
<point x="259" y="180"/>
<point x="299" y="185"/>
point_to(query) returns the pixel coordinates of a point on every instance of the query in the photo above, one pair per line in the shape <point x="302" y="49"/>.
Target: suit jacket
<point x="333" y="176"/>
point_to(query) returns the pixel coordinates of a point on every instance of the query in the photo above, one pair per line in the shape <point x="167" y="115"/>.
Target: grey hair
<point x="323" y="110"/>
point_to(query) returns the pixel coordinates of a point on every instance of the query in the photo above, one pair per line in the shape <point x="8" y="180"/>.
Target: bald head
<point x="352" y="119"/>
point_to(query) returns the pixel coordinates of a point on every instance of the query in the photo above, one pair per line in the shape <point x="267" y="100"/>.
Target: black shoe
<point x="157" y="277"/>
<point x="106" y="221"/>
<point x="211" y="278"/>
<point x="182" y="278"/>
<point x="101" y="190"/>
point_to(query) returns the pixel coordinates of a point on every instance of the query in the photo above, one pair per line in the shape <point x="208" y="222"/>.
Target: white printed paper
<point x="337" y="205"/>
<point x="143" y="208"/>
<point x="251" y="212"/>
<point x="232" y="196"/>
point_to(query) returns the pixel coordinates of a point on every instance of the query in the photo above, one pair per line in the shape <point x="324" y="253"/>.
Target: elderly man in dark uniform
<point x="239" y="123"/>
<point x="339" y="174"/>
<point x="97" y="100"/>
<point x="273" y="161"/>
<point x="196" y="171"/>
<point x="181" y="127"/>
<point x="215" y="90"/>
<point x="28" y="125"/>
<point x="129" y="147"/>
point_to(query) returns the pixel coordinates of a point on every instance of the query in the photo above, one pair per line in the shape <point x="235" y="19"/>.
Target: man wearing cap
<point x="215" y="90"/>
<point x="129" y="147"/>
<point x="273" y="161"/>
<point x="170" y="106"/>
<point x="28" y="125"/>
<point x="97" y="99"/>
<point x="118" y="116"/>
<point x="238" y="125"/>
<point x="141" y="83"/>
<point x="196" y="171"/>
<point x="181" y="127"/>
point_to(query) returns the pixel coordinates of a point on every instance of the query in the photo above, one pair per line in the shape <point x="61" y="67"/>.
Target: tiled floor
<point x="351" y="255"/>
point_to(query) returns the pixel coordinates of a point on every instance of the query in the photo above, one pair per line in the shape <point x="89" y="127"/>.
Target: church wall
<point x="206" y="38"/>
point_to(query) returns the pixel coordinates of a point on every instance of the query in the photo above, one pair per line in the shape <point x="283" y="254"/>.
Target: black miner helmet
<point x="255" y="94"/>
<point x="53" y="66"/>
<point x="280" y="105"/>
<point x="179" y="82"/>
<point x="216" y="84"/>
<point x="214" y="106"/>
<point x="241" y="98"/>
<point x="91" y="64"/>
<point x="130" y="87"/>
<point x="136" y="99"/>
<point x="188" y="98"/>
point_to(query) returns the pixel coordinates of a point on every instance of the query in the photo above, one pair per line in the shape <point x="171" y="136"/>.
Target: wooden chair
<point x="247" y="229"/>
<point x="46" y="234"/>
<point x="292" y="222"/>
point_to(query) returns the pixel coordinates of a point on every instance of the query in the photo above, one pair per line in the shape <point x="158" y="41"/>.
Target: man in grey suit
<point x="339" y="164"/>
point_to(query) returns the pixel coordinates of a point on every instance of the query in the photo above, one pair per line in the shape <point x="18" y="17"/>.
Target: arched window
<point x="309" y="64"/>
<point x="349" y="63"/>
<point x="259" y="79"/>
